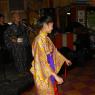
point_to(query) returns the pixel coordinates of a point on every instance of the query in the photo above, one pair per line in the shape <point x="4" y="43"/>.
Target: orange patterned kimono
<point x="41" y="69"/>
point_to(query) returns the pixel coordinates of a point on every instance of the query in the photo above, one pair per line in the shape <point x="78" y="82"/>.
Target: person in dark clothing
<point x="3" y="50"/>
<point x="3" y="27"/>
<point x="17" y="41"/>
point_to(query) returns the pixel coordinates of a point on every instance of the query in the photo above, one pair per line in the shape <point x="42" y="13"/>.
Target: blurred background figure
<point x="17" y="42"/>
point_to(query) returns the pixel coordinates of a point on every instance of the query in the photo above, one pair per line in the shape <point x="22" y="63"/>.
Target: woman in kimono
<point x="47" y="60"/>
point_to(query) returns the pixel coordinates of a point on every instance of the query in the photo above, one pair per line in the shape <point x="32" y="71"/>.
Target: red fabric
<point x="56" y="89"/>
<point x="70" y="40"/>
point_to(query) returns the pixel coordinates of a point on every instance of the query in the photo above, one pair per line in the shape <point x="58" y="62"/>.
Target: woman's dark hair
<point x="42" y="20"/>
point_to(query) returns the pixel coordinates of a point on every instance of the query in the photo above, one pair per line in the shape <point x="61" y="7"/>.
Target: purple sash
<point x="51" y="62"/>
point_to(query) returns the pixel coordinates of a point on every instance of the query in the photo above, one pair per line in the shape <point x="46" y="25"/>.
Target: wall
<point x="31" y="4"/>
<point x="4" y="8"/>
<point x="61" y="3"/>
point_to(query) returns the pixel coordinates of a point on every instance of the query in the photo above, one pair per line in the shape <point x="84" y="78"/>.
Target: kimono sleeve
<point x="40" y="58"/>
<point x="58" y="60"/>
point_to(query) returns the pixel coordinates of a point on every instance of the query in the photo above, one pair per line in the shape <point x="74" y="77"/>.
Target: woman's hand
<point x="68" y="62"/>
<point x="59" y="79"/>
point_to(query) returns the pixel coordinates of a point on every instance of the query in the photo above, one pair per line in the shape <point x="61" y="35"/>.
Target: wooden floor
<point x="79" y="81"/>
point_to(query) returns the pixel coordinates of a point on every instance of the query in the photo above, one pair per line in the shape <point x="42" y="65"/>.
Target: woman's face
<point x="49" y="27"/>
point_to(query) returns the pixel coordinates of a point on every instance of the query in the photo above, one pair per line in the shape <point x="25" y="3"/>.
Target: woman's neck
<point x="43" y="32"/>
